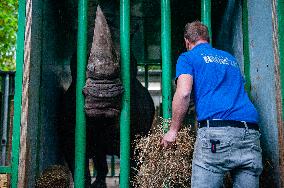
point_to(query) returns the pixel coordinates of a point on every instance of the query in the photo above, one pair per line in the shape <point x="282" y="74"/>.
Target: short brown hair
<point x="195" y="31"/>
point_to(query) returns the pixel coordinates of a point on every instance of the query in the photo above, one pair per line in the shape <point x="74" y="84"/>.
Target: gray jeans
<point x="237" y="151"/>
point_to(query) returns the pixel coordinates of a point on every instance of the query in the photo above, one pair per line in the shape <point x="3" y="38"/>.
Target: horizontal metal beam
<point x="5" y="169"/>
<point x="143" y="64"/>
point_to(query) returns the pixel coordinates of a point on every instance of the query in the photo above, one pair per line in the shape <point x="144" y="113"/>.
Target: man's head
<point x="195" y="33"/>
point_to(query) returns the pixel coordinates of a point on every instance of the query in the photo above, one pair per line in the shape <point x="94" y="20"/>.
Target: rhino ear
<point x="103" y="62"/>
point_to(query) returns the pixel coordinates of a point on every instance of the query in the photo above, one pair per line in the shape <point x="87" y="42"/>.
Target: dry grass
<point x="159" y="166"/>
<point x="54" y="177"/>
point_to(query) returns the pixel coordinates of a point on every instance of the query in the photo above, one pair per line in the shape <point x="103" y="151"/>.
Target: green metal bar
<point x="5" y="169"/>
<point x="206" y="15"/>
<point x="125" y="75"/>
<point x="18" y="92"/>
<point x="246" y="48"/>
<point x="166" y="60"/>
<point x="80" y="131"/>
<point x="280" y="12"/>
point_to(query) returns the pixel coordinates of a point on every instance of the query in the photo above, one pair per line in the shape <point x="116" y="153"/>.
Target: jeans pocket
<point x="222" y="150"/>
<point x="218" y="156"/>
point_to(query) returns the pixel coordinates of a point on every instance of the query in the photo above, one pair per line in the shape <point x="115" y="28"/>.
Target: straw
<point x="158" y="166"/>
<point x="55" y="176"/>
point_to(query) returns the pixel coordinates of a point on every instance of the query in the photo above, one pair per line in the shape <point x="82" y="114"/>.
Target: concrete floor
<point x="112" y="182"/>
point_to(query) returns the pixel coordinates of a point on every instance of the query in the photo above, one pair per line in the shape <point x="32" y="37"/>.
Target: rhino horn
<point x="103" y="62"/>
<point x="103" y="89"/>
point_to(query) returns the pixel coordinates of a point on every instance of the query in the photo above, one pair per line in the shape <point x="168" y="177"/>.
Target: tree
<point x="8" y="29"/>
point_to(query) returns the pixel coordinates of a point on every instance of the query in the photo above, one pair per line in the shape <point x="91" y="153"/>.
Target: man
<point x="228" y="134"/>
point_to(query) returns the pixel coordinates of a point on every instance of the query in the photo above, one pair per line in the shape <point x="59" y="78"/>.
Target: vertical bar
<point x="18" y="92"/>
<point x="280" y="12"/>
<point x="166" y="60"/>
<point x="80" y="131"/>
<point x="206" y="15"/>
<point x="246" y="47"/>
<point x="5" y="119"/>
<point x="112" y="166"/>
<point x="146" y="66"/>
<point x="280" y="16"/>
<point x="125" y="75"/>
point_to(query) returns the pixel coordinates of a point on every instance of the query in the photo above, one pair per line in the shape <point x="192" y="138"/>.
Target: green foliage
<point x="8" y="29"/>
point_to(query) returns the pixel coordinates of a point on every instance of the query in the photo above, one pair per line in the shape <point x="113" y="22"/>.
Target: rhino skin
<point x="103" y="92"/>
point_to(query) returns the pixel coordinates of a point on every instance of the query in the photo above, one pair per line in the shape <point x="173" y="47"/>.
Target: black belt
<point x="227" y="123"/>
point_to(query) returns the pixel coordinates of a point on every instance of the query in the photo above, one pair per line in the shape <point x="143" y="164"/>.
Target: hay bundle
<point x="158" y="166"/>
<point x="54" y="177"/>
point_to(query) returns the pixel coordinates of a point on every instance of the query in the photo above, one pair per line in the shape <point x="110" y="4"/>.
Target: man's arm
<point x="179" y="106"/>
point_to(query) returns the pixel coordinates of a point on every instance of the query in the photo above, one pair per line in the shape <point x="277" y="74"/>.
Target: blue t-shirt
<point x="218" y="84"/>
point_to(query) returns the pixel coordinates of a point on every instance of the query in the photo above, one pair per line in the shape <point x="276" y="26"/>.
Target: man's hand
<point x="169" y="138"/>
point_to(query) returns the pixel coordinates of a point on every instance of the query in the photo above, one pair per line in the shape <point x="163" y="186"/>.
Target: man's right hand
<point x="169" y="138"/>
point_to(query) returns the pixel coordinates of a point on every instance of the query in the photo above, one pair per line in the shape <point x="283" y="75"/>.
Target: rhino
<point x="103" y="93"/>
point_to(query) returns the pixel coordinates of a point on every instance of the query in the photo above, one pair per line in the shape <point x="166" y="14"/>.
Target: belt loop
<point x="207" y="121"/>
<point x="245" y="123"/>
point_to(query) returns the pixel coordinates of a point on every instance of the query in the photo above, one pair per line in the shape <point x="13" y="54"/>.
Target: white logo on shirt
<point x="219" y="59"/>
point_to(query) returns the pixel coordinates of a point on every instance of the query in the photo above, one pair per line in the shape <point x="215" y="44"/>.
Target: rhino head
<point x="103" y="89"/>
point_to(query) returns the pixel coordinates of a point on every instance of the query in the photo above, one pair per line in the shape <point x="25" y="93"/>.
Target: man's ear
<point x="186" y="40"/>
<point x="187" y="44"/>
